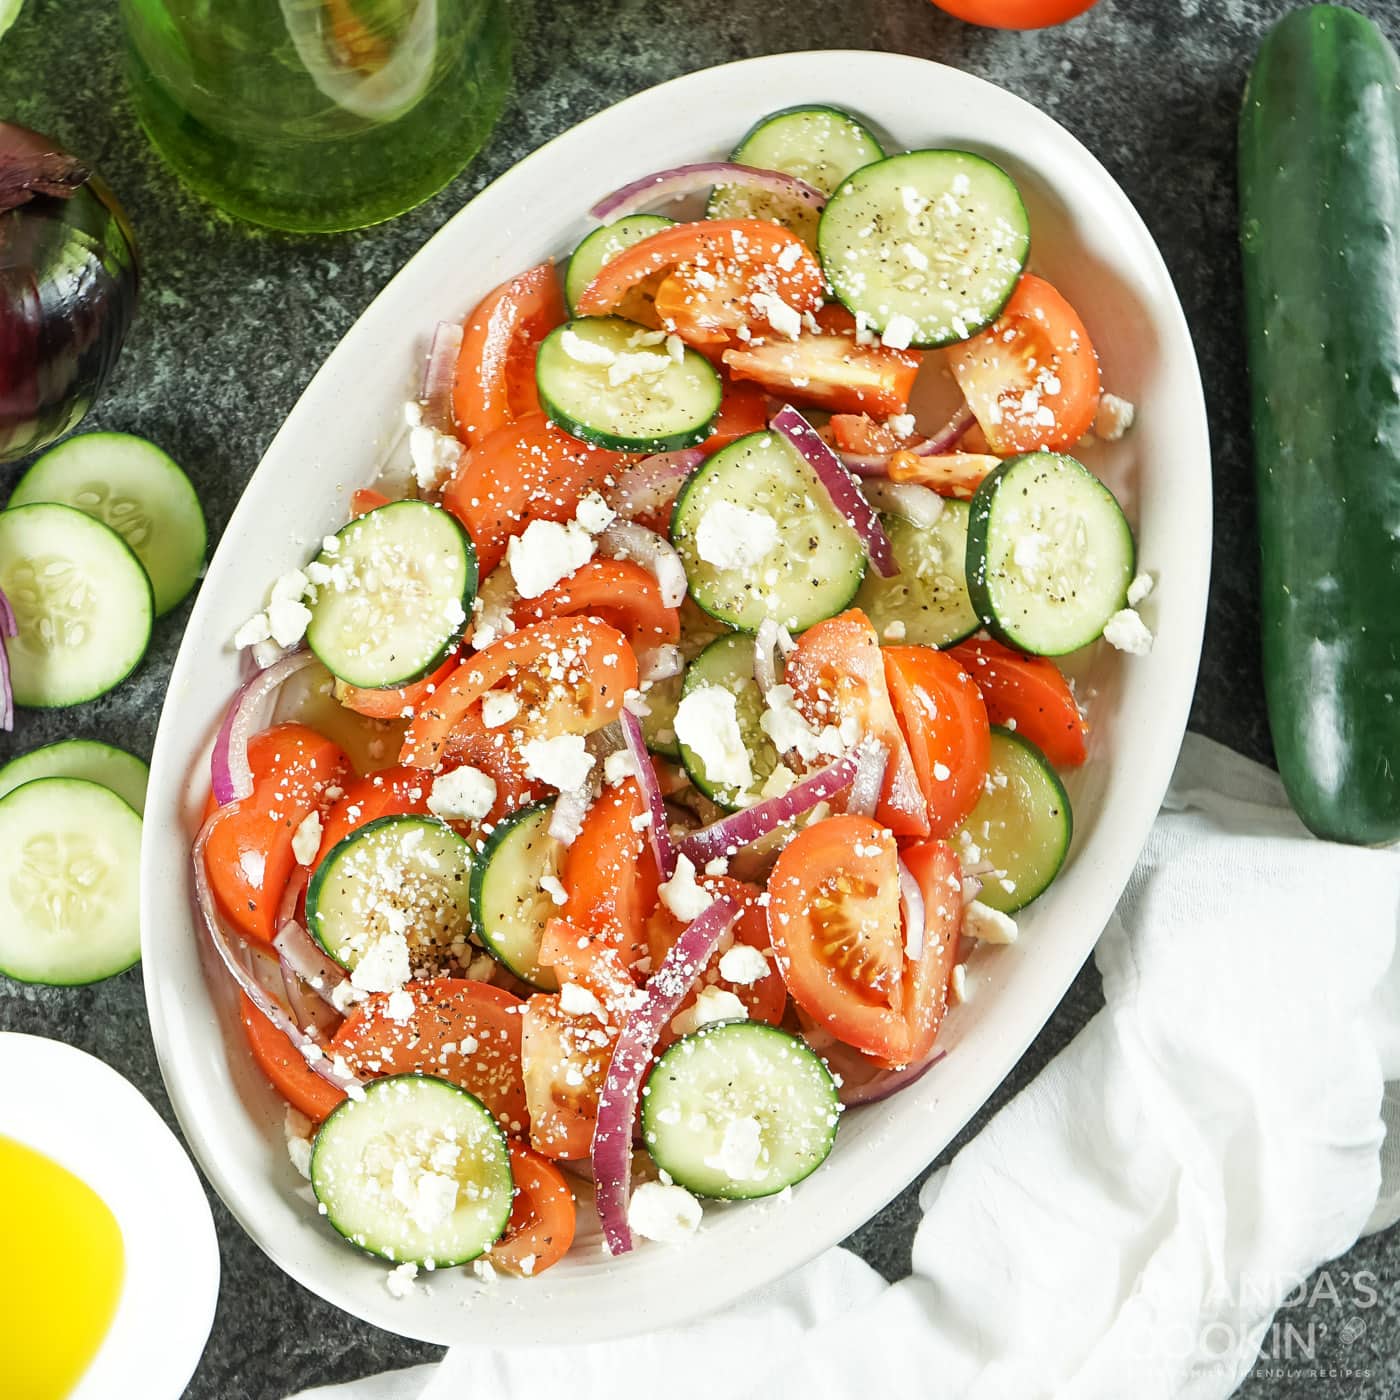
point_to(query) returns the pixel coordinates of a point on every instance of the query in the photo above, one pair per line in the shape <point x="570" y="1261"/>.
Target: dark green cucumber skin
<point x="1320" y="238"/>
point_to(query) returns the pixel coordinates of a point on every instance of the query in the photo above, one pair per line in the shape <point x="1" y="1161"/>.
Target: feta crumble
<point x="899" y="332"/>
<point x="668" y="1214"/>
<point x="464" y="794"/>
<point x="562" y="762"/>
<point x="707" y="723"/>
<point x="594" y="514"/>
<point x="546" y="553"/>
<point x="383" y="967"/>
<point x="296" y="1128"/>
<point x="399" y="1281"/>
<point x="579" y="1001"/>
<point x="990" y="925"/>
<point x="618" y="766"/>
<point x="306" y="840"/>
<point x="711" y="1004"/>
<point x="743" y="965"/>
<point x="958" y="983"/>
<point x="789" y="728"/>
<point x="784" y="319"/>
<point x="901" y="425"/>
<point x="1140" y="588"/>
<point x="553" y="886"/>
<point x="1115" y="417"/>
<point x="739" y="1150"/>
<point x="498" y="707"/>
<point x="682" y="895"/>
<point x="1128" y="632"/>
<point x="734" y="537"/>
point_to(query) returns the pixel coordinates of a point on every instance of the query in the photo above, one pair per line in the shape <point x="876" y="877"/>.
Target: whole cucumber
<point x="1320" y="234"/>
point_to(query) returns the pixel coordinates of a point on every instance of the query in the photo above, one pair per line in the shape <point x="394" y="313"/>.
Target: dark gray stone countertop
<point x="234" y="321"/>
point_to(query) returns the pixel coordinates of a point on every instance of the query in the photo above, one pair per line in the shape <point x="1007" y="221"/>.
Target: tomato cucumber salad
<point x="619" y="792"/>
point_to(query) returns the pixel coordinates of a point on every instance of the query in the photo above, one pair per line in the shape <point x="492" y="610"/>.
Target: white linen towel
<point x="1128" y="1224"/>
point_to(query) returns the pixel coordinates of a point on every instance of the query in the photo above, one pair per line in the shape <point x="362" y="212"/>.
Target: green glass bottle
<point x="317" y="115"/>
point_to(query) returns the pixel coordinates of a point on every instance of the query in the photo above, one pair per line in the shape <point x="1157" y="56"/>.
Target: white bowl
<point x="83" y="1115"/>
<point x="1088" y="239"/>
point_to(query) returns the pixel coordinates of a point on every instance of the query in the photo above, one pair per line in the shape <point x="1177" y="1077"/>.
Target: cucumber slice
<point x="403" y="874"/>
<point x="601" y="247"/>
<point x="821" y="145"/>
<point x="122" y="772"/>
<point x="927" y="600"/>
<point x="69" y="856"/>
<point x="508" y="905"/>
<point x="1022" y="823"/>
<point x="930" y="243"/>
<point x="415" y="1171"/>
<point x="617" y="384"/>
<point x="810" y="573"/>
<point x="728" y="663"/>
<point x="715" y="1095"/>
<point x="81" y="599"/>
<point x="659" y="722"/>
<point x="131" y="485"/>
<point x="402" y="582"/>
<point x="1049" y="554"/>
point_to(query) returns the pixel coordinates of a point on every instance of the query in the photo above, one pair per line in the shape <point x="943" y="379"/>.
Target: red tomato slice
<point x="945" y="722"/>
<point x="526" y="470"/>
<point x="542" y="1220"/>
<point x="391" y="792"/>
<point x="494" y="751"/>
<point x="466" y="1032"/>
<point x="364" y="500"/>
<point x="619" y="592"/>
<point x="285" y="1067"/>
<point x="742" y="410"/>
<point x="950" y="474"/>
<point x="838" y="673"/>
<point x="830" y="370"/>
<point x="249" y="853"/>
<point x="934" y="865"/>
<point x="1032" y="377"/>
<point x="860" y="434"/>
<point x="391" y="704"/>
<point x="495" y="379"/>
<point x="1029" y="694"/>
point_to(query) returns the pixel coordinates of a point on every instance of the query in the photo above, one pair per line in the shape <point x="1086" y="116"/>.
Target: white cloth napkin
<point x="1129" y="1224"/>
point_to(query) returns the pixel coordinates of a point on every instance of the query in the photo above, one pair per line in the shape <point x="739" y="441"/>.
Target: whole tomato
<point x="1015" y="14"/>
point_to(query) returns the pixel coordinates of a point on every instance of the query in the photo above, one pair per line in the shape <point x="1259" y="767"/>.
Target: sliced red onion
<point x="312" y="1014"/>
<point x="890" y="1081"/>
<point x="871" y="760"/>
<point x="658" y="833"/>
<point x="943" y="441"/>
<point x="920" y="505"/>
<point x="660" y="663"/>
<point x="650" y="486"/>
<point x="230" y="775"/>
<point x="438" y="375"/>
<point x="665" y="990"/>
<point x="308" y="959"/>
<point x="624" y="539"/>
<point x="682" y="180"/>
<point x="911" y="901"/>
<point x="845" y="494"/>
<point x="740" y="829"/>
<point x="9" y="627"/>
<point x="570" y="809"/>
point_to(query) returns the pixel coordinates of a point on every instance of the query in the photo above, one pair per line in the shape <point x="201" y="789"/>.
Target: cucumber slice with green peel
<point x="509" y="906"/>
<point x="69" y="857"/>
<point x="816" y="561"/>
<point x="728" y="663"/>
<point x="82" y="602"/>
<point x="394" y="596"/>
<point x="1022" y="824"/>
<point x="926" y="247"/>
<point x="601" y="247"/>
<point x="1050" y="555"/>
<point x="402" y="875"/>
<point x="821" y="145"/>
<point x="131" y="485"/>
<point x="659" y="723"/>
<point x="739" y="1110"/>
<point x="622" y="386"/>
<point x="123" y="773"/>
<point x="416" y="1171"/>
<point x="926" y="603"/>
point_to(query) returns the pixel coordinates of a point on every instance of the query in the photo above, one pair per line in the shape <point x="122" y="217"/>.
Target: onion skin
<point x="69" y="279"/>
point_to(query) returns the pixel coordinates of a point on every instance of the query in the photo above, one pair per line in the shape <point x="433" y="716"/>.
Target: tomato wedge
<point x="466" y="1032"/>
<point x="542" y="1219"/>
<point x="950" y="473"/>
<point x="471" y="744"/>
<point x="391" y="704"/>
<point x="285" y="1068"/>
<point x="249" y="853"/>
<point x="725" y="271"/>
<point x="742" y="410"/>
<point x="831" y="370"/>
<point x="391" y="792"/>
<point x="599" y="667"/>
<point x="617" y="591"/>
<point x="860" y="434"/>
<point x="934" y="865"/>
<point x="524" y="471"/>
<point x="944" y="720"/>
<point x="364" y="500"/>
<point x="1029" y="694"/>
<point x="838" y="674"/>
<point x="1032" y="377"/>
<point x="495" y="378"/>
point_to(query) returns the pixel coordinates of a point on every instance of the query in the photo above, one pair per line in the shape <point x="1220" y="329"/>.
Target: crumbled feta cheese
<point x="401" y="1006"/>
<point x="901" y="425"/>
<point x="546" y="553"/>
<point x="344" y="995"/>
<point x="894" y="631"/>
<point x="383" y="966"/>
<point x="399" y="1281"/>
<point x="296" y="1128"/>
<point x="990" y="925"/>
<point x="553" y="886"/>
<point x="788" y="727"/>
<point x="291" y="587"/>
<point x="1140" y="588"/>
<point x="434" y="456"/>
<point x="1115" y="417"/>
<point x="256" y="629"/>
<point x="739" y="1150"/>
<point x="711" y="1004"/>
<point x="618" y="766"/>
<point x="734" y="537"/>
<point x="718" y="866"/>
<point x="780" y="781"/>
<point x="428" y="1197"/>
<point x="958" y="985"/>
<point x="563" y="762"/>
<point x="707" y="723"/>
<point x="288" y="621"/>
<point x="743" y="965"/>
<point x="579" y="1001"/>
<point x="306" y="839"/>
<point x="636" y="364"/>
<point x="465" y="794"/>
<point x="668" y="1214"/>
<point x="584" y="352"/>
<point x="1028" y="554"/>
<point x="594" y="514"/>
<point x="682" y="895"/>
<point x="790" y="257"/>
<point x="784" y="319"/>
<point x="498" y="707"/>
<point x="1128" y="632"/>
<point x="899" y="332"/>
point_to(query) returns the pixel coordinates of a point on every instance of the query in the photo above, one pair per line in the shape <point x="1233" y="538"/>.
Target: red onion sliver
<point x="943" y="441"/>
<point x="317" y="1017"/>
<point x="871" y="758"/>
<point x="682" y="180"/>
<point x="617" y="1103"/>
<point x="911" y="900"/>
<point x="9" y="627"/>
<point x="296" y="947"/>
<point x="741" y="829"/>
<point x="660" y="663"/>
<point x="438" y="375"/>
<point x="625" y="540"/>
<point x="650" y="486"/>
<point x="230" y="775"/>
<point x="845" y="494"/>
<point x="658" y="833"/>
<point x="890" y="1082"/>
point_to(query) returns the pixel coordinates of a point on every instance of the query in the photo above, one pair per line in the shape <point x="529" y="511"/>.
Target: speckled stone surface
<point x="234" y="321"/>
